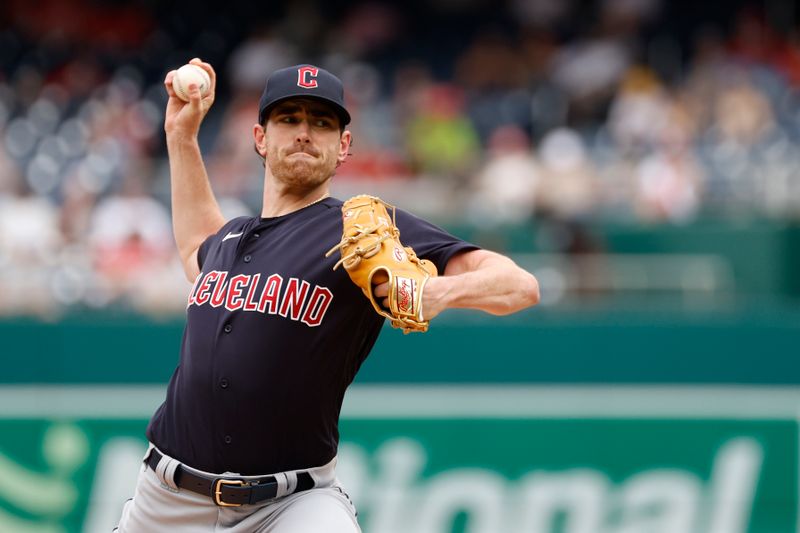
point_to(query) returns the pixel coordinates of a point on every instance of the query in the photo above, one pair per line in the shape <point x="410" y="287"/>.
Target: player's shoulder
<point x="332" y="203"/>
<point x="405" y="218"/>
<point x="233" y="228"/>
<point x="330" y="208"/>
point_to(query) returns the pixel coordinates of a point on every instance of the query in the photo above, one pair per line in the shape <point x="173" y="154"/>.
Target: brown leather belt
<point x="230" y="491"/>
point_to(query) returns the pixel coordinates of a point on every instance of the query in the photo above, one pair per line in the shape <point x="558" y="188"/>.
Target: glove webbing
<point x="353" y="258"/>
<point x="359" y="252"/>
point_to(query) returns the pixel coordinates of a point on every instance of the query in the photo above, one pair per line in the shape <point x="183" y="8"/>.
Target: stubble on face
<point x="301" y="171"/>
<point x="307" y="161"/>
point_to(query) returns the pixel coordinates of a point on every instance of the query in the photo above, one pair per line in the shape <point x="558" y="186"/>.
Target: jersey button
<point x="247" y="258"/>
<point x="223" y="383"/>
<point x="228" y="328"/>
<point x="228" y="439"/>
<point x="256" y="235"/>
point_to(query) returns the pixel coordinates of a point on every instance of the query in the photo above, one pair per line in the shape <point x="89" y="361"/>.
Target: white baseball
<point x="188" y="74"/>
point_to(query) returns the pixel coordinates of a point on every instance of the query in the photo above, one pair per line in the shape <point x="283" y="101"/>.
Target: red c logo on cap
<point x="306" y="77"/>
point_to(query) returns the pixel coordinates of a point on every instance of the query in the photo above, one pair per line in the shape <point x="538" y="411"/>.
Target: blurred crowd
<point x="567" y="111"/>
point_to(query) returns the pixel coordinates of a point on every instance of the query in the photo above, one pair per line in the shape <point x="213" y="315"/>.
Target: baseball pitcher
<point x="284" y="309"/>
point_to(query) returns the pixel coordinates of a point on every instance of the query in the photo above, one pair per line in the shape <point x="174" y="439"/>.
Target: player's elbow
<point x="525" y="288"/>
<point x="530" y="292"/>
<point x="534" y="297"/>
<point x="525" y="293"/>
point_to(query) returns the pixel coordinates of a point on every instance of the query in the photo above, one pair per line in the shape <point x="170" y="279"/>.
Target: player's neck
<point x="282" y="201"/>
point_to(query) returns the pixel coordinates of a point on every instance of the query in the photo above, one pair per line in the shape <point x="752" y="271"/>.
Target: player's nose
<point x="302" y="134"/>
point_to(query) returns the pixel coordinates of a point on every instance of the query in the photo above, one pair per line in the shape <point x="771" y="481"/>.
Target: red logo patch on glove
<point x="405" y="295"/>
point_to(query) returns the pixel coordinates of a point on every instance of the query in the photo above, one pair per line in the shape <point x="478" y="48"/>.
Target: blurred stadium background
<point x="639" y="156"/>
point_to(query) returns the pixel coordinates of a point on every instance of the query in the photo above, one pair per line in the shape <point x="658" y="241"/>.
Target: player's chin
<point x="304" y="174"/>
<point x="305" y="170"/>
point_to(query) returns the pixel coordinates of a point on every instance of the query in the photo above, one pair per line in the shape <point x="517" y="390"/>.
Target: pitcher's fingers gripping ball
<point x="190" y="74"/>
<point x="372" y="254"/>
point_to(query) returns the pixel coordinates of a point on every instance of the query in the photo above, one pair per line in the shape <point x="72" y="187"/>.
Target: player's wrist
<point x="179" y="138"/>
<point x="436" y="295"/>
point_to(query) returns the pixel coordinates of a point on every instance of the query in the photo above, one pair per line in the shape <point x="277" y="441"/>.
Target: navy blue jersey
<point x="273" y="338"/>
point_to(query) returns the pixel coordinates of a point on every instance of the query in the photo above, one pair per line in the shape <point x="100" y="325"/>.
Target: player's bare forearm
<point x="195" y="212"/>
<point x="481" y="280"/>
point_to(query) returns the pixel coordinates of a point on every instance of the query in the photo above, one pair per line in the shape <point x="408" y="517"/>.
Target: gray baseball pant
<point x="159" y="506"/>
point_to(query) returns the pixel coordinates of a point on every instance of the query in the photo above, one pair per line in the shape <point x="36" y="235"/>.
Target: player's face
<point x="302" y="142"/>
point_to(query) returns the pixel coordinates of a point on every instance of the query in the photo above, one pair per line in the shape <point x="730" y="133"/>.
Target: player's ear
<point x="345" y="142"/>
<point x="260" y="139"/>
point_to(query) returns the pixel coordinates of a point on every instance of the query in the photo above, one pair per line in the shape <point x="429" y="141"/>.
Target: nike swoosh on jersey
<point x="231" y="236"/>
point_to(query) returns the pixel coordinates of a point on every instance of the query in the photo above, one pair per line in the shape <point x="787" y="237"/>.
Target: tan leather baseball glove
<point x="372" y="254"/>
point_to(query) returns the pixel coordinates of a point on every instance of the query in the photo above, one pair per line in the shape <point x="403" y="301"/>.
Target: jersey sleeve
<point x="429" y="241"/>
<point x="202" y="252"/>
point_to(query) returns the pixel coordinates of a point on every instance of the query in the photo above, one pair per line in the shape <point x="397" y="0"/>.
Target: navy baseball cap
<point x="303" y="80"/>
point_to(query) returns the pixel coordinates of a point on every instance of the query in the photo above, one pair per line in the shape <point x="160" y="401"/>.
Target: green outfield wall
<point x="549" y="421"/>
<point x="740" y="344"/>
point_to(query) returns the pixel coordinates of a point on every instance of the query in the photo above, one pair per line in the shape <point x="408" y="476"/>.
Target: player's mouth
<point x="303" y="152"/>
